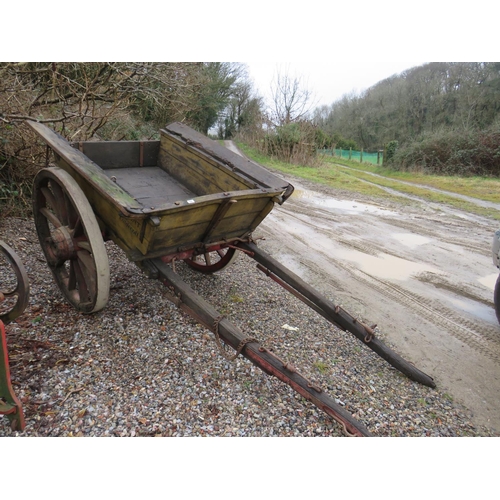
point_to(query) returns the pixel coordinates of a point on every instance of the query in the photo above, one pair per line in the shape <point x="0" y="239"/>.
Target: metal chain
<point x="223" y="351"/>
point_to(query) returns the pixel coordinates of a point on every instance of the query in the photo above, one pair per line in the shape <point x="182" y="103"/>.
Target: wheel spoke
<point x="87" y="261"/>
<point x="77" y="227"/>
<point x="83" y="287"/>
<point x="87" y="266"/>
<point x="49" y="198"/>
<point x="84" y="245"/>
<point x="207" y="259"/>
<point x="50" y="217"/>
<point x="74" y="222"/>
<point x="72" y="277"/>
<point x="61" y="203"/>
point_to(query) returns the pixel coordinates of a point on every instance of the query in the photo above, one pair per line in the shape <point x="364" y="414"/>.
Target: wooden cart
<point x="184" y="197"/>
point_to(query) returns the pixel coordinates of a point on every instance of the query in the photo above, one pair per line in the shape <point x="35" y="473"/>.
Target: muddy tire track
<point x="482" y="338"/>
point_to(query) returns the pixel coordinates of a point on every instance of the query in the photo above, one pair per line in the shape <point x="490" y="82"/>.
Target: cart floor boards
<point x="150" y="186"/>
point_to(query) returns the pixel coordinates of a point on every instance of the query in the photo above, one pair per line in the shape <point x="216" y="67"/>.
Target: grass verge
<point x="357" y="180"/>
<point x="325" y="174"/>
<point x="425" y="194"/>
<point x="482" y="188"/>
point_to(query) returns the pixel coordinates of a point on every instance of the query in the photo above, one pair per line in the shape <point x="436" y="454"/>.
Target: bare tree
<point x="87" y="100"/>
<point x="291" y="99"/>
<point x="79" y="99"/>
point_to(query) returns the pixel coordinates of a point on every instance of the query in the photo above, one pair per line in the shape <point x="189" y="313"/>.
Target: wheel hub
<point x="60" y="244"/>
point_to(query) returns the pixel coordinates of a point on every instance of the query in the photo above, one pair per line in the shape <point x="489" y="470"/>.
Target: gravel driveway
<point x="141" y="367"/>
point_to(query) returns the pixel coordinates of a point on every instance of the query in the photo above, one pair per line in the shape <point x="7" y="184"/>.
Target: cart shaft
<point x="333" y="313"/>
<point x="189" y="301"/>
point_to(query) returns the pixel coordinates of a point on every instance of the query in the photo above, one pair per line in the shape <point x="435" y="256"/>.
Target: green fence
<point x="349" y="154"/>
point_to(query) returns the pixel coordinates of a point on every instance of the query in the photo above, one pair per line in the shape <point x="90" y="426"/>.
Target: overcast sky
<point x="334" y="37"/>
<point x="327" y="81"/>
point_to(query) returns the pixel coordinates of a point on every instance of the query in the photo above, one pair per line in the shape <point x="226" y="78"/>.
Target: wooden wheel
<point x="71" y="239"/>
<point x="14" y="285"/>
<point x="211" y="262"/>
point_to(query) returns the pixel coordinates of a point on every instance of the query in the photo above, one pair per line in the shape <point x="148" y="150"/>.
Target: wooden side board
<point x="89" y="170"/>
<point x="251" y="172"/>
<point x="199" y="173"/>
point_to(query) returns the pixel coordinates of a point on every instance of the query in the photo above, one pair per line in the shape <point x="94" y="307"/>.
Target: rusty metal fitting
<point x="370" y="334"/>
<point x="315" y="387"/>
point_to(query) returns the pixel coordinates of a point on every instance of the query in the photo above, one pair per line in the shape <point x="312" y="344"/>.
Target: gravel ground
<point x="140" y="367"/>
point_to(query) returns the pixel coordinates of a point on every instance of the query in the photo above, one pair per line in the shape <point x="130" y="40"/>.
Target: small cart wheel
<point x="71" y="239"/>
<point x="496" y="298"/>
<point x="211" y="262"/>
<point x="14" y="285"/>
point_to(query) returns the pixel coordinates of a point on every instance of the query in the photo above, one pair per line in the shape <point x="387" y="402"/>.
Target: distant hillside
<point x="425" y="103"/>
<point x="422" y="99"/>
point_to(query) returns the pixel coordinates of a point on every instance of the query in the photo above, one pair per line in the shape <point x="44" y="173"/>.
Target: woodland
<point x="441" y="117"/>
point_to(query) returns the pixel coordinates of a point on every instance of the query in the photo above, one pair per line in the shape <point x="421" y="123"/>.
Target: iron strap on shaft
<point x="240" y="347"/>
<point x="189" y="301"/>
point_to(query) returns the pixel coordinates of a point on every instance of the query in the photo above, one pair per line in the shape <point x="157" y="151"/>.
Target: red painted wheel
<point x="71" y="239"/>
<point x="14" y="285"/>
<point x="211" y="262"/>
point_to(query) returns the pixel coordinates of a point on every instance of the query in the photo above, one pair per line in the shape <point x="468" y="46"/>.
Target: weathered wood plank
<point x="150" y="186"/>
<point x="192" y="235"/>
<point x="239" y="219"/>
<point x="187" y="236"/>
<point x="120" y="154"/>
<point x="199" y="175"/>
<point x="242" y="166"/>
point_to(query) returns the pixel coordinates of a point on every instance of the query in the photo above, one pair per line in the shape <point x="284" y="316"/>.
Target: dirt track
<point x="423" y="273"/>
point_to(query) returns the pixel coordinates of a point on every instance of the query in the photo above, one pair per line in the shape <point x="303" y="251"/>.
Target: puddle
<point x="410" y="240"/>
<point x="384" y="265"/>
<point x="489" y="281"/>
<point x="481" y="311"/>
<point x="351" y="207"/>
<point x="381" y="265"/>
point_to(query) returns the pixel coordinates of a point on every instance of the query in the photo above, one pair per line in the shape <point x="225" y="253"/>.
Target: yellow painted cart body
<point x="183" y="197"/>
